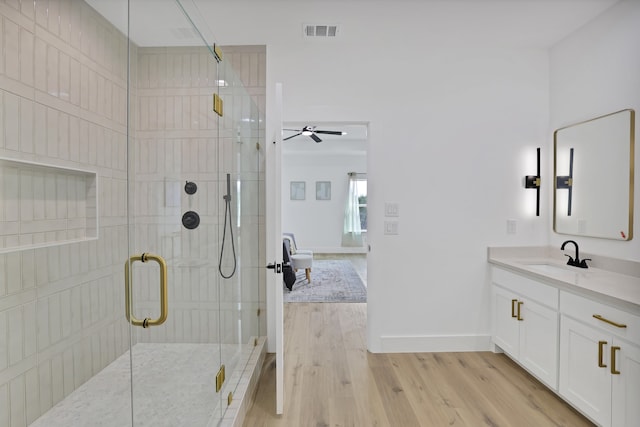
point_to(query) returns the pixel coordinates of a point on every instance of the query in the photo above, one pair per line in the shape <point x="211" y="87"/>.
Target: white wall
<point x="451" y="149"/>
<point x="318" y="224"/>
<point x="457" y="97"/>
<point x="594" y="72"/>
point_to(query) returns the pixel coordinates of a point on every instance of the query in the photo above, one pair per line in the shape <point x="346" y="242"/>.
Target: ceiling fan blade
<point x="292" y="130"/>
<point x="292" y="136"/>
<point x="315" y="137"/>
<point x="330" y="132"/>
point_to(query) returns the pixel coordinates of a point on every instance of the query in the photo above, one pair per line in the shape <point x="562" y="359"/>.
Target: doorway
<point x="315" y="183"/>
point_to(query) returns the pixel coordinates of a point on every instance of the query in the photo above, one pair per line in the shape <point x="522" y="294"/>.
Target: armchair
<point x="300" y="259"/>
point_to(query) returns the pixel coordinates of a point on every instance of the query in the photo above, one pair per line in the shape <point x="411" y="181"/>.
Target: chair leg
<point x="308" y="274"/>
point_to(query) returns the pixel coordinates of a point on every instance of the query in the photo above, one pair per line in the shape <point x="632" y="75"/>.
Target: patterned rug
<point x="331" y="281"/>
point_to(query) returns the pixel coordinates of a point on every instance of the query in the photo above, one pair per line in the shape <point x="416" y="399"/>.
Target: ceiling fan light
<point x="306" y="132"/>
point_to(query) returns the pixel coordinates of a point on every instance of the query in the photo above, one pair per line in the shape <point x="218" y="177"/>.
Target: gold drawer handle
<point x="513" y="308"/>
<point x="611" y="322"/>
<point x="614" y="371"/>
<point x="519" y="314"/>
<point x="601" y="345"/>
<point x="164" y="305"/>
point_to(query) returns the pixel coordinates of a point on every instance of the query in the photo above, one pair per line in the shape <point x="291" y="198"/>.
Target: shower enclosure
<point x="131" y="215"/>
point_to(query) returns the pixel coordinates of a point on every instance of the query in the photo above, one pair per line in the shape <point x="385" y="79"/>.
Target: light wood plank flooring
<point x="331" y="380"/>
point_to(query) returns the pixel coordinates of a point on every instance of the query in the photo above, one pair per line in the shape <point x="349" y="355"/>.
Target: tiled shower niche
<point x="45" y="205"/>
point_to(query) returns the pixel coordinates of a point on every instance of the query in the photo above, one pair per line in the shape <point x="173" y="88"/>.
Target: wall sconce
<point x="566" y="181"/>
<point x="533" y="181"/>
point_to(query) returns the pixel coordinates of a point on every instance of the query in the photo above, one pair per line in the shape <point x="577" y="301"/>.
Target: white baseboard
<point x="434" y="343"/>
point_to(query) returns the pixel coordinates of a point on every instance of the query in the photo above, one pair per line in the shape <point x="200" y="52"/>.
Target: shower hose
<point x="227" y="214"/>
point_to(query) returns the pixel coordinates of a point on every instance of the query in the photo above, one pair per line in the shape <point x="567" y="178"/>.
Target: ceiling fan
<point x="311" y="131"/>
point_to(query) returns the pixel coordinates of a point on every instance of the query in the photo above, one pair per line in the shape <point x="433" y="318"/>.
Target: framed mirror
<point x="593" y="177"/>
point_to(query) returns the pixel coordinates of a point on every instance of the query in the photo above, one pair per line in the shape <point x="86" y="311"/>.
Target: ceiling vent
<point x="320" y="31"/>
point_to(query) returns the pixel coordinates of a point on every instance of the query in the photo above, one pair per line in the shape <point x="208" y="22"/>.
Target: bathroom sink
<point x="551" y="268"/>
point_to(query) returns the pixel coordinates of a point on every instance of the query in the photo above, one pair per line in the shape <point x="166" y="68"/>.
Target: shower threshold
<point x="173" y="385"/>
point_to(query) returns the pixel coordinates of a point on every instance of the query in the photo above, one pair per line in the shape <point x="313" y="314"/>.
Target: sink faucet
<point x="577" y="262"/>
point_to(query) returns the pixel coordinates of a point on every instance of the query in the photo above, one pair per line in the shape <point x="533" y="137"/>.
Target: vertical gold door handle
<point x="519" y="313"/>
<point x="164" y="304"/>
<point x="614" y="371"/>
<point x="513" y="308"/>
<point x="601" y="345"/>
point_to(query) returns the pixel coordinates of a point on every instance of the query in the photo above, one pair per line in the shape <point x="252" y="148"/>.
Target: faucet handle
<point x="583" y="263"/>
<point x="571" y="261"/>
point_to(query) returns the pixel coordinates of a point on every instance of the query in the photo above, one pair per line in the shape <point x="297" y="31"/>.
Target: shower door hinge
<point x="220" y="378"/>
<point x="258" y="313"/>
<point x="217" y="52"/>
<point x="257" y="146"/>
<point x="230" y="398"/>
<point x="217" y="104"/>
<point x="255" y="342"/>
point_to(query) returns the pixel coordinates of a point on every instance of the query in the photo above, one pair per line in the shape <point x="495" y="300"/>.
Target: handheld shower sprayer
<point x="227" y="213"/>
<point x="227" y="197"/>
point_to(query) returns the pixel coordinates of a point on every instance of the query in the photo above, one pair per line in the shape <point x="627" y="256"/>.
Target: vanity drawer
<point x="583" y="309"/>
<point x="543" y="294"/>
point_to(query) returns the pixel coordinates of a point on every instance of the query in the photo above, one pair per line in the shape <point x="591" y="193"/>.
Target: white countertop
<point x="549" y="265"/>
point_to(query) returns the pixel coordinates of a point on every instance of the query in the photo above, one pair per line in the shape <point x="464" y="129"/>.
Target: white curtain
<point x="352" y="232"/>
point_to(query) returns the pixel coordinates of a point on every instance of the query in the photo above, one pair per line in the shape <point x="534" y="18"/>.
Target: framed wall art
<point x="297" y="190"/>
<point x="323" y="190"/>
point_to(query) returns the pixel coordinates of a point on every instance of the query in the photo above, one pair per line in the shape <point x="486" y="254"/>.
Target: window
<point x="361" y="188"/>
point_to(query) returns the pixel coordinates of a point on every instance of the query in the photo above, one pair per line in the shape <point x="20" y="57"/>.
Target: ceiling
<point x="537" y="23"/>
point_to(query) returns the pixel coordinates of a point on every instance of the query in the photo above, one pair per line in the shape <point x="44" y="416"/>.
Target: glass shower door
<point x="194" y="189"/>
<point x="176" y="205"/>
<point x="242" y="266"/>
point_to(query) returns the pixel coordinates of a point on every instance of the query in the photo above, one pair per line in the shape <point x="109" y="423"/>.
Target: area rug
<point x="331" y="281"/>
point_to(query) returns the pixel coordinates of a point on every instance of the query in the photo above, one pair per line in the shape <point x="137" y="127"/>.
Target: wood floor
<point x="331" y="380"/>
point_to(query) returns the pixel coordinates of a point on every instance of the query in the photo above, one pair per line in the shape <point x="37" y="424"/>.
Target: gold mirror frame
<point x="595" y="185"/>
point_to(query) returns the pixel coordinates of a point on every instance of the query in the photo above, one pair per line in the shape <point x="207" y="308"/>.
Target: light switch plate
<point x="391" y="209"/>
<point x="391" y="227"/>
<point x="511" y="226"/>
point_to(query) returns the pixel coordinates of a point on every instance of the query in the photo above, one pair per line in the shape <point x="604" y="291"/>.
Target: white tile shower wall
<point x="62" y="102"/>
<point x="175" y="129"/>
<point x="177" y="141"/>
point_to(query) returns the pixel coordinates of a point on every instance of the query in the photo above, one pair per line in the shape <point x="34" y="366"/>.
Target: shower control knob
<point x="191" y="220"/>
<point x="190" y="187"/>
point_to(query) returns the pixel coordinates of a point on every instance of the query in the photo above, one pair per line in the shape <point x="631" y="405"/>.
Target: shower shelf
<point x="45" y="205"/>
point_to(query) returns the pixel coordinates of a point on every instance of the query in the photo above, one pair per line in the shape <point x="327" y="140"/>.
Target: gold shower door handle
<point x="164" y="304"/>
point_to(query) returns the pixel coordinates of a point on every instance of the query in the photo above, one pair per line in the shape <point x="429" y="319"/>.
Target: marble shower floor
<point x="174" y="385"/>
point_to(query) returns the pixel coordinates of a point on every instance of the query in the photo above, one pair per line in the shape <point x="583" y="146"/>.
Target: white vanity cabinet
<point x="580" y="328"/>
<point x="525" y="323"/>
<point x="600" y="360"/>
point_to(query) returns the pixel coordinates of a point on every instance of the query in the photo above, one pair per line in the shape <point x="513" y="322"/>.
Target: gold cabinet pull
<point x="614" y="370"/>
<point x="519" y="313"/>
<point x="164" y="304"/>
<point x="513" y="308"/>
<point x="611" y="322"/>
<point x="601" y="345"/>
